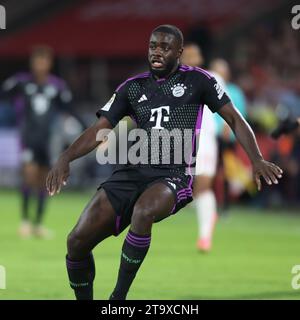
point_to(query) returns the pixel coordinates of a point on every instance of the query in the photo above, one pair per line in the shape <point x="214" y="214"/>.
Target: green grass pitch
<point x="252" y="258"/>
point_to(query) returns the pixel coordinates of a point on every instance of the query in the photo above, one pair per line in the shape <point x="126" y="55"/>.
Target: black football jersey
<point x="170" y="109"/>
<point x="36" y="105"/>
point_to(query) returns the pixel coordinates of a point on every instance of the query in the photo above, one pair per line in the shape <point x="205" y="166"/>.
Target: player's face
<point x="164" y="53"/>
<point x="192" y="56"/>
<point x="41" y="64"/>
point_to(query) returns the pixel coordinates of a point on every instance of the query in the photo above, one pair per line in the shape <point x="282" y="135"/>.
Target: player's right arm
<point x="84" y="144"/>
<point x="11" y="86"/>
<point x="109" y="116"/>
<point x="216" y="99"/>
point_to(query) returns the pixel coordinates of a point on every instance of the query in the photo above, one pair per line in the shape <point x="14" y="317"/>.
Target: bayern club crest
<point x="178" y="90"/>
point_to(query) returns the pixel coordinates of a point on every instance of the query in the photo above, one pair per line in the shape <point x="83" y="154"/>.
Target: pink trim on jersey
<point x="199" y="118"/>
<point x="196" y="132"/>
<point x="117" y="226"/>
<point x="141" y="75"/>
<point x="185" y="68"/>
<point x="187" y="192"/>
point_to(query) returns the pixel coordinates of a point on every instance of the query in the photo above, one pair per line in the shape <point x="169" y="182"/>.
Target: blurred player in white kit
<point x="206" y="160"/>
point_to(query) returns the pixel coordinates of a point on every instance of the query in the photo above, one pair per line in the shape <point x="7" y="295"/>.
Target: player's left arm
<point x="244" y="134"/>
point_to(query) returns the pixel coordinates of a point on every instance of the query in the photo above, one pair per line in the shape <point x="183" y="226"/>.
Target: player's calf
<point x="80" y="266"/>
<point x="155" y="203"/>
<point x="95" y="224"/>
<point x="134" y="250"/>
<point x="81" y="276"/>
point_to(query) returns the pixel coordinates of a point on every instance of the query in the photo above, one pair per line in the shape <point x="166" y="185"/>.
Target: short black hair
<point x="168" y="28"/>
<point x="42" y="51"/>
<point x="191" y="43"/>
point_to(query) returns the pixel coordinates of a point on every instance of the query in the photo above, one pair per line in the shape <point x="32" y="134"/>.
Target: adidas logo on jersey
<point x="219" y="90"/>
<point x="142" y="98"/>
<point x="173" y="185"/>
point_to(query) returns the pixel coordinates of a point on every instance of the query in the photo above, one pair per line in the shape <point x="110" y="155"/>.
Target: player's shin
<point x="134" y="250"/>
<point x="25" y="202"/>
<point x="207" y="215"/>
<point x="81" y="276"/>
<point x="41" y="198"/>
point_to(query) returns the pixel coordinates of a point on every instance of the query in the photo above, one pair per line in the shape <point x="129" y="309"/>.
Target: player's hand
<point x="268" y="170"/>
<point x="58" y="175"/>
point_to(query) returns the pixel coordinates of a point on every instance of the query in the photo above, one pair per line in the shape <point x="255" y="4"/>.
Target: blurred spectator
<point x="264" y="81"/>
<point x="265" y="63"/>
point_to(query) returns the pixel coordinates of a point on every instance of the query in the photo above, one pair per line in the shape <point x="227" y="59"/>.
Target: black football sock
<point x="25" y="202"/>
<point x="41" y="200"/>
<point x="134" y="250"/>
<point x="81" y="276"/>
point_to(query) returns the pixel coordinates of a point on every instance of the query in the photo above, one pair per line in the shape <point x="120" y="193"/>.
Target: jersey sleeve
<point x="10" y="86"/>
<point x="117" y="107"/>
<point x="213" y="94"/>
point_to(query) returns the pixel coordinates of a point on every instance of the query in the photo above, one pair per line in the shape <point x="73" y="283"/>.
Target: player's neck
<point x="40" y="78"/>
<point x="166" y="76"/>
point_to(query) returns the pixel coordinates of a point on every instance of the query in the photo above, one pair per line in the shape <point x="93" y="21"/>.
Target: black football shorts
<point x="36" y="154"/>
<point x="126" y="184"/>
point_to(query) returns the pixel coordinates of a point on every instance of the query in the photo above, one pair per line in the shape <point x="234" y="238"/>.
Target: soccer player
<point x="169" y="96"/>
<point x="37" y="97"/>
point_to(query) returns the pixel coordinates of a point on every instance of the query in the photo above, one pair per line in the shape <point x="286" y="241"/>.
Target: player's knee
<point x="75" y="245"/>
<point x="202" y="184"/>
<point x="203" y="189"/>
<point x="142" y="214"/>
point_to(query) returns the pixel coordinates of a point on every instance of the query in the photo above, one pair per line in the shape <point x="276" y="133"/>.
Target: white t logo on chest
<point x="157" y="115"/>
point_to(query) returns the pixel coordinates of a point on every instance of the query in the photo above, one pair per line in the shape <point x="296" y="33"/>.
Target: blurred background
<point x="97" y="44"/>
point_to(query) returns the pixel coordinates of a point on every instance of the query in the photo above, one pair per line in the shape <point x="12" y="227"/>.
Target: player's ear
<point x="180" y="52"/>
